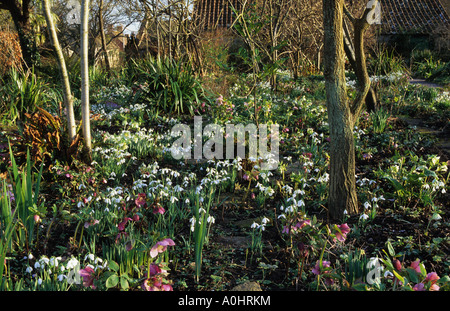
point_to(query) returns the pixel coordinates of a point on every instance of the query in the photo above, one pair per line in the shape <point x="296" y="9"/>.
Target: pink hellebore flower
<point x="140" y="201"/>
<point x="136" y="217"/>
<point x="87" y="224"/>
<point x="434" y="287"/>
<point x="344" y="230"/>
<point x="415" y="265"/>
<point x="155" y="284"/>
<point x="122" y="224"/>
<point x="432" y="277"/>
<point x="298" y="226"/>
<point x="316" y="269"/>
<point x="161" y="246"/>
<point x="88" y="277"/>
<point x="419" y="287"/>
<point x="219" y="100"/>
<point x="158" y="209"/>
<point x="302" y="223"/>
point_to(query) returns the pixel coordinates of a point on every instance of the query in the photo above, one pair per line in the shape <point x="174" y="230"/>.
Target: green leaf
<point x="112" y="281"/>
<point x="113" y="266"/>
<point x="444" y="280"/>
<point x="398" y="276"/>
<point x="390" y="249"/>
<point x="423" y="272"/>
<point x="124" y="282"/>
<point x="413" y="275"/>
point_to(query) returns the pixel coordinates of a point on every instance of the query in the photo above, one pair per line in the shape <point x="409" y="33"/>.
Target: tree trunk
<point x="349" y="47"/>
<point x="103" y="38"/>
<point x="342" y="192"/>
<point x="68" y="100"/>
<point x="342" y="114"/>
<point x="85" y="80"/>
<point x="20" y="14"/>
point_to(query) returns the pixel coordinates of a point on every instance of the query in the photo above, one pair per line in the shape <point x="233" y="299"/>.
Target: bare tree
<point x="103" y="38"/>
<point x="342" y="113"/>
<point x="85" y="110"/>
<point x="68" y="99"/>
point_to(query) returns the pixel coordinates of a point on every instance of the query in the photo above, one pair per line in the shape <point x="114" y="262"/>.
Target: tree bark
<point x="342" y="114"/>
<point x="103" y="38"/>
<point x="20" y="14"/>
<point x="68" y="99"/>
<point x="353" y="49"/>
<point x="86" y="126"/>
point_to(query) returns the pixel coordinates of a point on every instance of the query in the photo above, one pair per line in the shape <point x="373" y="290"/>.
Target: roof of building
<point x="412" y="16"/>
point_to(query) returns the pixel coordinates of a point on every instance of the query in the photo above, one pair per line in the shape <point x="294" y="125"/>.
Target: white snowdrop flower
<point x="364" y="216"/>
<point x="54" y="261"/>
<point x="37" y="265"/>
<point x="91" y="257"/>
<point x="300" y="203"/>
<point x="436" y="216"/>
<point x="282" y="216"/>
<point x="269" y="191"/>
<point x="173" y="199"/>
<point x="186" y="201"/>
<point x="30" y="256"/>
<point x="39" y="282"/>
<point x="81" y="186"/>
<point x="73" y="262"/>
<point x="254" y="225"/>
<point x="367" y="205"/>
<point x="388" y="273"/>
<point x="28" y="269"/>
<point x="211" y="219"/>
<point x="192" y="221"/>
<point x="265" y="220"/>
<point x="61" y="277"/>
<point x="290" y="209"/>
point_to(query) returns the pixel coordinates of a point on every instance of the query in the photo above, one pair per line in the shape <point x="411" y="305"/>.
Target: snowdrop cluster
<point x="65" y="269"/>
<point x="293" y="205"/>
<point x="262" y="225"/>
<point x="392" y="77"/>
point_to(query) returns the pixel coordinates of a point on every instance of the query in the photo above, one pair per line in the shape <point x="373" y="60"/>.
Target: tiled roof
<point x="412" y="16"/>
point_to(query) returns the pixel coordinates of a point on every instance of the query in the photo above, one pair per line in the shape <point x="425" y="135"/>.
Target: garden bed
<point x="268" y="227"/>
